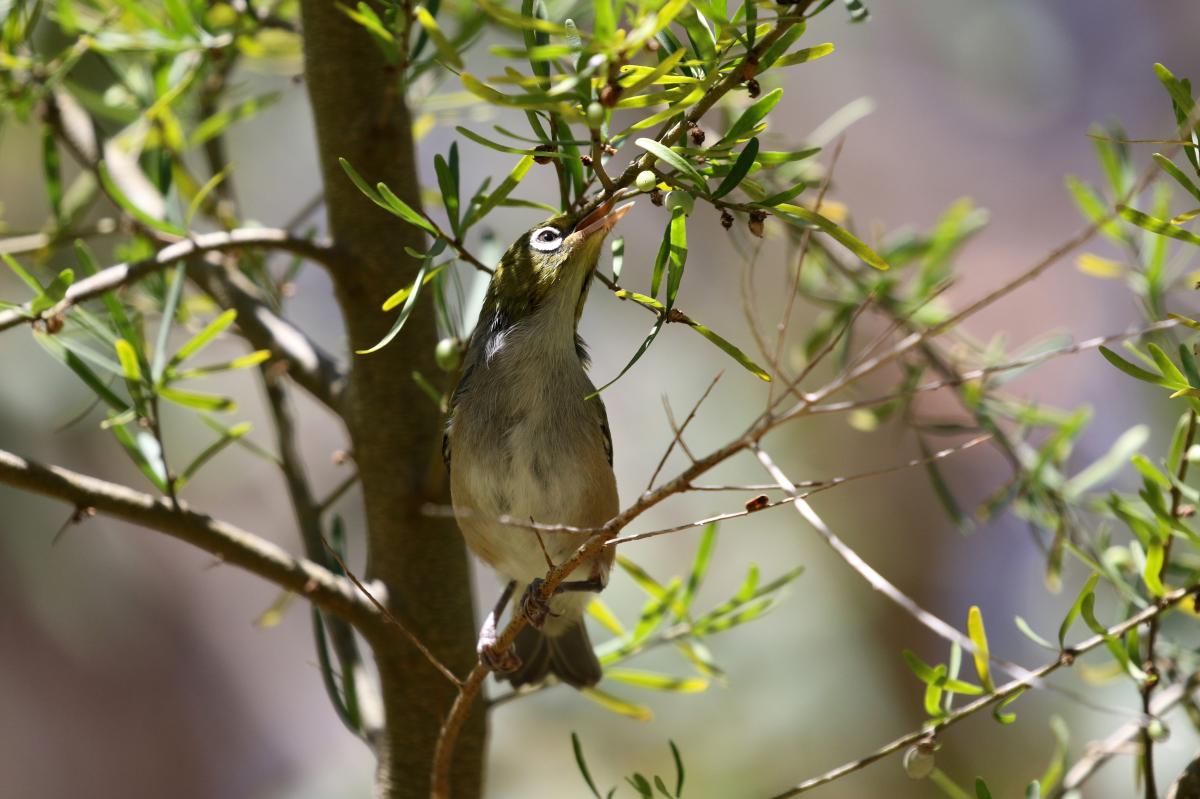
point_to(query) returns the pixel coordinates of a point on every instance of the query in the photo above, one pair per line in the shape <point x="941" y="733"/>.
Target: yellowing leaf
<point x="1097" y="266"/>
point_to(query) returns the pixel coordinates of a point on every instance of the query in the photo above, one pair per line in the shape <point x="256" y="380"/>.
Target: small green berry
<point x="448" y="354"/>
<point x="595" y="115"/>
<point x="1158" y="731"/>
<point x="918" y="764"/>
<point x="646" y="180"/>
<point x="680" y="200"/>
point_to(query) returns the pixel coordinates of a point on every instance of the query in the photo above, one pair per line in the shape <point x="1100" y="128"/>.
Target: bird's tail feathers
<point x="567" y="655"/>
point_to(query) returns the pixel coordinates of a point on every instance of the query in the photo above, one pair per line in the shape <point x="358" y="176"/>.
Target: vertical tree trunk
<point x="395" y="430"/>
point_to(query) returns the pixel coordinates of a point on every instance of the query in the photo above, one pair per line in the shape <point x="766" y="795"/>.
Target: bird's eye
<point x="546" y="239"/>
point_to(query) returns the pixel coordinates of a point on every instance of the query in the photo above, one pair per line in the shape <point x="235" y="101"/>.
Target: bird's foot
<point x="496" y="661"/>
<point x="535" y="609"/>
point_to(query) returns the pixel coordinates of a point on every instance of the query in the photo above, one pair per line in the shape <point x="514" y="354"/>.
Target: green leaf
<point x="1028" y="632"/>
<point x="194" y="399"/>
<point x="657" y="682"/>
<point x="673" y="159"/>
<point x="618" y="258"/>
<point x="998" y="713"/>
<point x="128" y="357"/>
<point x="1152" y="574"/>
<point x="839" y="234"/>
<point x="641" y="350"/>
<point x="979" y="637"/>
<point x="1130" y="369"/>
<point x="228" y="437"/>
<point x="599" y="611"/>
<point x="806" y="55"/>
<point x="402" y="295"/>
<point x="750" y="118"/>
<point x="202" y="339"/>
<point x="174" y="291"/>
<point x="20" y="271"/>
<point x="740" y="167"/>
<point x="577" y="747"/>
<point x="82" y="371"/>
<point x="981" y="789"/>
<point x="53" y="293"/>
<point x="1094" y="208"/>
<point x="679" y="773"/>
<point x="732" y="351"/>
<point x="1076" y="607"/>
<point x="52" y="172"/>
<point x="409" y="304"/>
<point x="1156" y="225"/>
<point x="241" y="362"/>
<point x="704" y="550"/>
<point x="445" y="49"/>
<point x="116" y="310"/>
<point x="618" y="706"/>
<point x="120" y="198"/>
<point x="678" y="254"/>
<point x="216" y="124"/>
<point x="403" y="210"/>
<point x="142" y="450"/>
<point x="1168" y="166"/>
<point x="502" y="191"/>
<point x="1104" y="467"/>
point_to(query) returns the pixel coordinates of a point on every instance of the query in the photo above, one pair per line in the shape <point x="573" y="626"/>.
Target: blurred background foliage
<point x="133" y="661"/>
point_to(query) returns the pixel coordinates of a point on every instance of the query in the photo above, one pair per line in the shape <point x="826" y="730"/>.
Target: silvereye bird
<point x="526" y="440"/>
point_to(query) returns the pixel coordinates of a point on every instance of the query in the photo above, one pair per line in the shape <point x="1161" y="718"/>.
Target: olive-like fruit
<point x="595" y="115"/>
<point x="646" y="180"/>
<point x="680" y="200"/>
<point x="1158" y="731"/>
<point x="448" y="354"/>
<point x="918" y="764"/>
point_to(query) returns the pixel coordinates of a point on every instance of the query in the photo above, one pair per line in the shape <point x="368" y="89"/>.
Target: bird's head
<point x="552" y="264"/>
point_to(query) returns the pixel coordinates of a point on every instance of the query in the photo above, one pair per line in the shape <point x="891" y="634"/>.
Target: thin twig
<point x="1001" y="693"/>
<point x="390" y="619"/>
<point x="677" y="436"/>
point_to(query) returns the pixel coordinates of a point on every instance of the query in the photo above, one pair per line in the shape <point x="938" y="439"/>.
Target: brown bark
<point x="360" y="114"/>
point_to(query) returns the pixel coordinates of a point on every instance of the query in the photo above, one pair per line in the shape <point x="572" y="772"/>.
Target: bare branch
<point x="126" y="273"/>
<point x="225" y="541"/>
<point x="677" y="437"/>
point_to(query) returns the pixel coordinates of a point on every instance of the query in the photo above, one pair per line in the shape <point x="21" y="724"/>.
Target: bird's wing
<point x="604" y="431"/>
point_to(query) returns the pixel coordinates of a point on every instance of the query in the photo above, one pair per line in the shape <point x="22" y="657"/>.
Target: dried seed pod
<point x="586" y="160"/>
<point x="756" y="222"/>
<point x="656" y="197"/>
<point x="54" y="323"/>
<point x="543" y="148"/>
<point x="752" y="88"/>
<point x="758" y="503"/>
<point x="697" y="135"/>
<point x="610" y="94"/>
<point x="726" y="220"/>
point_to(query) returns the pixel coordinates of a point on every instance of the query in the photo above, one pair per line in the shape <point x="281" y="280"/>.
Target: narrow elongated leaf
<point x="704" y="550"/>
<point x="194" y="399"/>
<point x="202" y="339"/>
<point x="599" y="611"/>
<point x="1076" y="607"/>
<point x="657" y="682"/>
<point x="120" y="198"/>
<point x="1156" y="225"/>
<point x="174" y="291"/>
<point x="678" y="255"/>
<point x="405" y="312"/>
<point x="1130" y="369"/>
<point x="26" y="277"/>
<point x="617" y="705"/>
<point x="979" y="637"/>
<point x="1168" y="166"/>
<point x="641" y="350"/>
<point x="445" y="49"/>
<point x="673" y="159"/>
<point x="740" y="168"/>
<point x="228" y="437"/>
<point x="731" y="350"/>
<point x="839" y="234"/>
<point x="750" y="118"/>
<point x="577" y="747"/>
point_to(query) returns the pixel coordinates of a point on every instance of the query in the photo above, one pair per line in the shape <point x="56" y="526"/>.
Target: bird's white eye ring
<point x="546" y="239"/>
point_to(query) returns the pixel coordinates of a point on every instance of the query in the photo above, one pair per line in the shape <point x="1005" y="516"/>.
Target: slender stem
<point x="1150" y="666"/>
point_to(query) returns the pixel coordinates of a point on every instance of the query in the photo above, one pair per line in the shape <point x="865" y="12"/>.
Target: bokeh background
<point x="131" y="667"/>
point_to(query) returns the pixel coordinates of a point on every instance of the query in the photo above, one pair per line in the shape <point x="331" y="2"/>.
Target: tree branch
<point x="227" y="542"/>
<point x="1066" y="658"/>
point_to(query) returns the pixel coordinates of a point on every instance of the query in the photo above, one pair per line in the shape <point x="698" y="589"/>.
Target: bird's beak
<point x="601" y="220"/>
